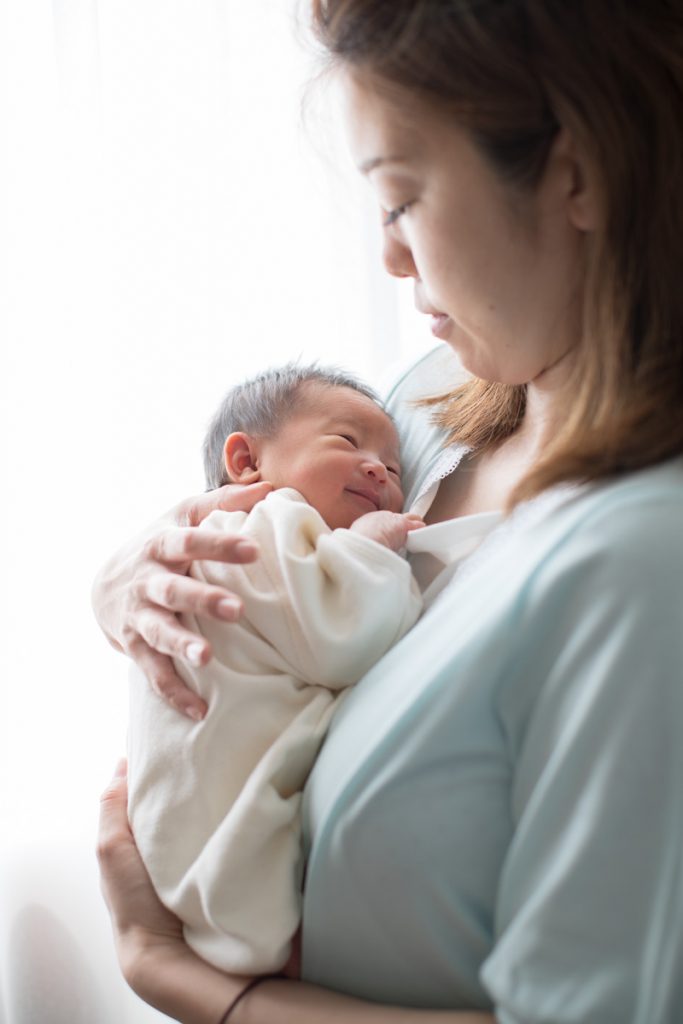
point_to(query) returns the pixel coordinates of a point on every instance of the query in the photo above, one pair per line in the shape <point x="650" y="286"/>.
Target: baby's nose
<point x="375" y="469"/>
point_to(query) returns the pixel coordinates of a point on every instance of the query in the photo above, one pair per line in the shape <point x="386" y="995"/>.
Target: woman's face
<point x="497" y="268"/>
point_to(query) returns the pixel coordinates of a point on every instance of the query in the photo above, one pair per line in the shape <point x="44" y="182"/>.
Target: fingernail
<point x="227" y="608"/>
<point x="194" y="653"/>
<point x="194" y="713"/>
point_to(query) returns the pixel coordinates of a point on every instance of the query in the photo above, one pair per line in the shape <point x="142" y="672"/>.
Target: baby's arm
<point x="387" y="528"/>
<point x="344" y="599"/>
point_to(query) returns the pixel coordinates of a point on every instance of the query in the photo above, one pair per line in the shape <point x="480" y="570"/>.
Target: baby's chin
<point x="341" y="523"/>
<point x="341" y="518"/>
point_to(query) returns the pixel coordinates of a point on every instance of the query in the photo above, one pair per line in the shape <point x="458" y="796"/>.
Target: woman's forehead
<point x="382" y="122"/>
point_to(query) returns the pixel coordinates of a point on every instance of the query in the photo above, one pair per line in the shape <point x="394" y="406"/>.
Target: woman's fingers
<point x="142" y="590"/>
<point x="181" y="545"/>
<point x="114" y="833"/>
<point x="231" y="498"/>
<point x="161" y="630"/>
<point x="185" y="594"/>
<point x="128" y="892"/>
<point x="113" y="813"/>
<point x="165" y="681"/>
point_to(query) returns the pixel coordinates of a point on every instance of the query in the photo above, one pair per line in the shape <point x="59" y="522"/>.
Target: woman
<point x="494" y="821"/>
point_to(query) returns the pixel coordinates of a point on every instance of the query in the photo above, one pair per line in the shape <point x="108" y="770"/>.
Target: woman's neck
<point x="545" y="406"/>
<point x="485" y="482"/>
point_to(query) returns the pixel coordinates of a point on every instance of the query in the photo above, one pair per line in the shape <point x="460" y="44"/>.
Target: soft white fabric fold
<point x="215" y="806"/>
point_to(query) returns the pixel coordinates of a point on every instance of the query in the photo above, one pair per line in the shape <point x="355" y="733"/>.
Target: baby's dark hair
<point x="261" y="405"/>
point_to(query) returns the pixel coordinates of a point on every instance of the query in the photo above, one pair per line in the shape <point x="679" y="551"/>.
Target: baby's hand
<point x="387" y="528"/>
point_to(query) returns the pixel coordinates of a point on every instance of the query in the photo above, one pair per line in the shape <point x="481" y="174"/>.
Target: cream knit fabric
<point x="215" y="806"/>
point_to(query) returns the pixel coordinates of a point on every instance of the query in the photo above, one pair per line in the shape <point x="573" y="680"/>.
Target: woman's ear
<point x="241" y="459"/>
<point x="580" y="182"/>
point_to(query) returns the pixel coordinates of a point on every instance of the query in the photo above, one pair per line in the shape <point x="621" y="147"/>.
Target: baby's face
<point x="340" y="451"/>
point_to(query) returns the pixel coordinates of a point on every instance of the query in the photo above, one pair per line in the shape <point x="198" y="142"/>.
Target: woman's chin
<point x="477" y="362"/>
<point x="469" y="354"/>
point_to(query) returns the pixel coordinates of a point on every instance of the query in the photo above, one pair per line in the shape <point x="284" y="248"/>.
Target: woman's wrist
<point x="174" y="980"/>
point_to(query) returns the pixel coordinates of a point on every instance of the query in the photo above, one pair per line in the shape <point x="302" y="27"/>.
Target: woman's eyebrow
<point x="378" y="161"/>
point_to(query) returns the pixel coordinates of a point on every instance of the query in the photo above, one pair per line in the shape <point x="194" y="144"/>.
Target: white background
<point x="170" y="222"/>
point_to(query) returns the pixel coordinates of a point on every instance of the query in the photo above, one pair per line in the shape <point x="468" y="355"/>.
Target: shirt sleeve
<point x="588" y="916"/>
<point x="331" y="603"/>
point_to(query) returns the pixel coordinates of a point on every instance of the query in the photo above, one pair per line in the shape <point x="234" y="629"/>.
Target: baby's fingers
<point x="165" y="681"/>
<point x="413" y="521"/>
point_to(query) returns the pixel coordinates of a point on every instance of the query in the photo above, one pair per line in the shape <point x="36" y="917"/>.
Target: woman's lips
<point x="440" y="325"/>
<point x="440" y="322"/>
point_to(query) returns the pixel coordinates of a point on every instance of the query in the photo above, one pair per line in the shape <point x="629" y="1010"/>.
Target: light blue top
<point x="496" y="818"/>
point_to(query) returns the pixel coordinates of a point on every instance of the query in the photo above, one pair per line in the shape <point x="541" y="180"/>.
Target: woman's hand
<point x="139" y="593"/>
<point x="162" y="969"/>
<point x="139" y="919"/>
<point x="155" y="960"/>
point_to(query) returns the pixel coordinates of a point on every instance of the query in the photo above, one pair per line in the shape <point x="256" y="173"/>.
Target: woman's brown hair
<point x="512" y="71"/>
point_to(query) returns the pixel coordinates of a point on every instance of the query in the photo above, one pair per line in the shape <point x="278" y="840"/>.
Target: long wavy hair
<point x="512" y="71"/>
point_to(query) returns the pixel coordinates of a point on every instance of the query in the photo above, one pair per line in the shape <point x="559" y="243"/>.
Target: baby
<point x="215" y="805"/>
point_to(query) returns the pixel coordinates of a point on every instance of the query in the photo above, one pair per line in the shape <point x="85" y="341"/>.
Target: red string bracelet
<point x="247" y="988"/>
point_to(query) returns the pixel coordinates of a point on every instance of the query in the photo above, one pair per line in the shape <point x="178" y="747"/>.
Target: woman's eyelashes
<point x="391" y="216"/>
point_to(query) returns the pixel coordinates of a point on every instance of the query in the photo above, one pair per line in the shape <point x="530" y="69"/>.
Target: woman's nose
<point x="397" y="257"/>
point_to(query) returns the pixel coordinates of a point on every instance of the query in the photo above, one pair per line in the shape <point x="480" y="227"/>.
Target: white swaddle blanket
<point x="215" y="805"/>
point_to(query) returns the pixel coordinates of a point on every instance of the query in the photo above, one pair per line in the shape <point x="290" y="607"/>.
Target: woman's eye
<point x="391" y="216"/>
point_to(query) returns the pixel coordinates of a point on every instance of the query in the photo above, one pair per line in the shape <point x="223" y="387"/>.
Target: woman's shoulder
<point x="618" y="541"/>
<point x="638" y="512"/>
<point x="612" y="548"/>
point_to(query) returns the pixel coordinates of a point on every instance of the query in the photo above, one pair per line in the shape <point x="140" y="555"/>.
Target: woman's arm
<point x="141" y="590"/>
<point x="163" y="971"/>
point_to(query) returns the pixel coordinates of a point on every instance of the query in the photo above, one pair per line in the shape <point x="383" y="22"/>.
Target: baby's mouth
<point x="368" y="495"/>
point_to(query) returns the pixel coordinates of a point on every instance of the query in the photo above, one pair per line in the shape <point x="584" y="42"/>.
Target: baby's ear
<point x="240" y="458"/>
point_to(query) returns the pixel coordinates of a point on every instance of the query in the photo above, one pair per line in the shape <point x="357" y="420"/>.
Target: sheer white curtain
<point x="169" y="223"/>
